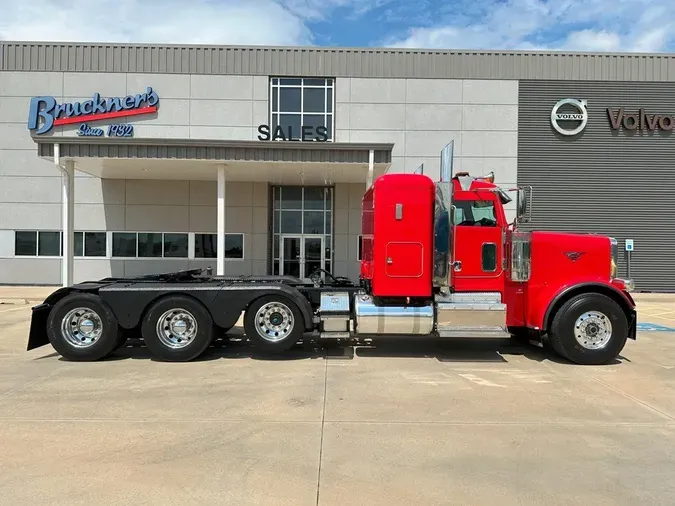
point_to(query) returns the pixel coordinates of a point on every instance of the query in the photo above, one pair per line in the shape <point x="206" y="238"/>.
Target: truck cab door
<point x="478" y="254"/>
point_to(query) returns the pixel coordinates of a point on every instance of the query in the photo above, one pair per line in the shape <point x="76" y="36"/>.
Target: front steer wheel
<point x="273" y="324"/>
<point x="177" y="329"/>
<point x="589" y="329"/>
<point x="81" y="327"/>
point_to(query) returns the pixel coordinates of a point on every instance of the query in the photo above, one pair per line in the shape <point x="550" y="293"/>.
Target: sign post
<point x="629" y="249"/>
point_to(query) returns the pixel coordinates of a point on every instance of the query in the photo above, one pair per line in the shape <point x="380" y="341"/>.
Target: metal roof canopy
<point x="289" y="162"/>
<point x="333" y="61"/>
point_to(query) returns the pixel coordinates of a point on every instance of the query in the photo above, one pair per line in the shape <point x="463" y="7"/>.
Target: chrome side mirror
<point x="523" y="204"/>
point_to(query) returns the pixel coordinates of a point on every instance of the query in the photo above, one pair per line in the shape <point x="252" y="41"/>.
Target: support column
<point x="371" y="168"/>
<point x="68" y="217"/>
<point x="220" y="270"/>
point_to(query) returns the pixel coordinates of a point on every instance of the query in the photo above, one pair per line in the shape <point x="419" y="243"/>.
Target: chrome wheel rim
<point x="81" y="327"/>
<point x="593" y="330"/>
<point x="177" y="328"/>
<point x="274" y="321"/>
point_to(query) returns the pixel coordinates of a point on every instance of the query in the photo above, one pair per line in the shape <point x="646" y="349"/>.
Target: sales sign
<point x="45" y="113"/>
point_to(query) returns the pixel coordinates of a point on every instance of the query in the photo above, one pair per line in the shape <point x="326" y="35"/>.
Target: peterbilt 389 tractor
<point x="439" y="260"/>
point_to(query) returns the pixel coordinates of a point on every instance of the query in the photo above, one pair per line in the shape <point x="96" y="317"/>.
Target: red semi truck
<point x="439" y="259"/>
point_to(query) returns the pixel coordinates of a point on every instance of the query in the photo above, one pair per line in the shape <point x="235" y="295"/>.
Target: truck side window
<point x="489" y="257"/>
<point x="475" y="213"/>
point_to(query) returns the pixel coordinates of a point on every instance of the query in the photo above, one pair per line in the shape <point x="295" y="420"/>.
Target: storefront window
<point x="50" y="243"/>
<point x="149" y="245"/>
<point x="94" y="243"/>
<point x="25" y="243"/>
<point x="176" y="245"/>
<point x="234" y="246"/>
<point x="206" y="246"/>
<point x="124" y="244"/>
<point x="300" y="103"/>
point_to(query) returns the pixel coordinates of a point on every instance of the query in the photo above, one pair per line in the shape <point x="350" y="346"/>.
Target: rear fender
<point x="238" y="298"/>
<point x="37" y="335"/>
<point x="225" y="303"/>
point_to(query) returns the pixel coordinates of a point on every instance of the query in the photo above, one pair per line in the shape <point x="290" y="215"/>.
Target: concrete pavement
<point x="467" y="423"/>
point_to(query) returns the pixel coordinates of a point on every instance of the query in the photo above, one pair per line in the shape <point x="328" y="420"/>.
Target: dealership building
<point x="253" y="160"/>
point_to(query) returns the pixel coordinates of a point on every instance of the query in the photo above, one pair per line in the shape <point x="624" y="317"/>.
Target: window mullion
<point x="302" y="115"/>
<point x="278" y="106"/>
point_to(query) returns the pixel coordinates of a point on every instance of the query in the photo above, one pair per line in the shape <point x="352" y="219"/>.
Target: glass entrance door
<point x="313" y="254"/>
<point x="301" y="255"/>
<point x="290" y="255"/>
<point x="304" y="216"/>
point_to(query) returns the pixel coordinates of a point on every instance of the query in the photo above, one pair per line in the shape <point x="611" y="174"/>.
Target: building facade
<point x="262" y="154"/>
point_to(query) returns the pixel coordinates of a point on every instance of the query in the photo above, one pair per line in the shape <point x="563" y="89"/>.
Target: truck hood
<point x="576" y="255"/>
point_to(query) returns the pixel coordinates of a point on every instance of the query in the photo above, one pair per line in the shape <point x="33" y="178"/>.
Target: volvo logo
<point x="580" y="116"/>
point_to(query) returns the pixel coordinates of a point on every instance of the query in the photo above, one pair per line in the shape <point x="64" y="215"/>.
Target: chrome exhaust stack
<point x="443" y="221"/>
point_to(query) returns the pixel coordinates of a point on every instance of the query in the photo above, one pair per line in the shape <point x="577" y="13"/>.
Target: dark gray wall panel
<point x="618" y="183"/>
<point x="337" y="62"/>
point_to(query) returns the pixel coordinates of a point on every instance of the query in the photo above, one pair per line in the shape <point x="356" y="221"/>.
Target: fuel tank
<point x="373" y="318"/>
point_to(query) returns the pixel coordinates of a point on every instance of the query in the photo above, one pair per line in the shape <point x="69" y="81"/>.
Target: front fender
<point x="621" y="297"/>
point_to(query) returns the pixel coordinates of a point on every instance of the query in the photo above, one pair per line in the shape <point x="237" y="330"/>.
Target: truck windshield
<point x="475" y="213"/>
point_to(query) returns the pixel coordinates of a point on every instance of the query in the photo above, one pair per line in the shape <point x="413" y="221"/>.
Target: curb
<point x="19" y="302"/>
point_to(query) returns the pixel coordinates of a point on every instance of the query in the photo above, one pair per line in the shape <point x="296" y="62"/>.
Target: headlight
<point x="614" y="256"/>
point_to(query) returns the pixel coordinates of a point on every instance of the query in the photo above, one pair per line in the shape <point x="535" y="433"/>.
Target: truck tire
<point x="273" y="324"/>
<point x="81" y="327"/>
<point x="589" y="329"/>
<point x="177" y="329"/>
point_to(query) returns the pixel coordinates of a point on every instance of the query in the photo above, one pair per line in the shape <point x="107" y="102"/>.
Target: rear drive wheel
<point x="273" y="324"/>
<point x="177" y="329"/>
<point x="589" y="329"/>
<point x="81" y="327"/>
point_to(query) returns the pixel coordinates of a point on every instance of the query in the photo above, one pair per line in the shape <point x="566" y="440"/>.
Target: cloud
<point x="582" y="25"/>
<point x="590" y="40"/>
<point x="236" y="22"/>
<point x="323" y="9"/>
<point x="594" y="25"/>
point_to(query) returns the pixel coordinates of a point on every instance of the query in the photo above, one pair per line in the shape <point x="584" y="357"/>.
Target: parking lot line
<point x="12" y="309"/>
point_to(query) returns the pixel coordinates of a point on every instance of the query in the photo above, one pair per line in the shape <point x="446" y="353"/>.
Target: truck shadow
<point x="236" y="346"/>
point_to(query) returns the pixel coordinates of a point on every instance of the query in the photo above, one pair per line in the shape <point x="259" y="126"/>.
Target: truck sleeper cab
<point x="438" y="259"/>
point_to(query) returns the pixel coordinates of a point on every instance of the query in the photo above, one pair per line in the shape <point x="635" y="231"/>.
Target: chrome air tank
<point x="371" y="318"/>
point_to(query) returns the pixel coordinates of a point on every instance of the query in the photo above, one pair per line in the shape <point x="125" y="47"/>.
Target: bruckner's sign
<point x="45" y="113"/>
<point x="640" y="120"/>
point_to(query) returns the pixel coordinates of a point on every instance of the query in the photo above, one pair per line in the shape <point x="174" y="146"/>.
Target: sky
<point x="576" y="25"/>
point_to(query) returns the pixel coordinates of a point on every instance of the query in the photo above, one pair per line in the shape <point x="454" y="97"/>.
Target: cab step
<point x="473" y="331"/>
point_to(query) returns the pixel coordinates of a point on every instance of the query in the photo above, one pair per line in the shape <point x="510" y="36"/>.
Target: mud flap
<point x="632" y="326"/>
<point x="37" y="335"/>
